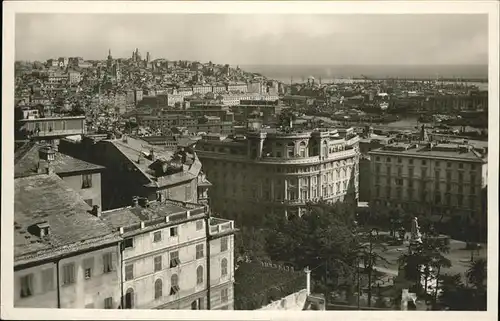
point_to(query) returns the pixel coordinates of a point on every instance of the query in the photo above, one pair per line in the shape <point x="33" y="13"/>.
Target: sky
<point x="259" y="39"/>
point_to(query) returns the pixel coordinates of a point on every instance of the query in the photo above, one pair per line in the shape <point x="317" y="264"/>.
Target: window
<point x="448" y="164"/>
<point x="27" y="285"/>
<point x="460" y="177"/>
<point x="174" y="231"/>
<point x="461" y="165"/>
<point x="199" y="251"/>
<point x="129" y="272"/>
<point x="199" y="275"/>
<point x="399" y="181"/>
<point x="128" y="243"/>
<point x="88" y="266"/>
<point x="86" y="180"/>
<point x="388" y="170"/>
<point x="174" y="259"/>
<point x="157" y="236"/>
<point x="410" y="161"/>
<point x="460" y="200"/>
<point x="68" y="273"/>
<point x="108" y="303"/>
<point x="158" y="289"/>
<point x="472" y="189"/>
<point x="472" y="201"/>
<point x="424" y="162"/>
<point x="107" y="259"/>
<point x="223" y="244"/>
<point x="157" y="263"/>
<point x="437" y="174"/>
<point x="377" y="158"/>
<point x="388" y="159"/>
<point x="174" y="281"/>
<point x="472" y="178"/>
<point x="437" y="163"/>
<point x="400" y="160"/>
<point x="224" y="295"/>
<point x="437" y="198"/>
<point x="48" y="280"/>
<point x="129" y="299"/>
<point x="460" y="189"/>
<point x="199" y="225"/>
<point x="223" y="267"/>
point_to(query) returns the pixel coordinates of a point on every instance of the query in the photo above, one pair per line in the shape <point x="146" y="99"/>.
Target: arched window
<point x="302" y="149"/>
<point x="199" y="275"/>
<point x="158" y="289"/>
<point x="174" y="284"/>
<point x="129" y="299"/>
<point x="223" y="267"/>
<point x="325" y="148"/>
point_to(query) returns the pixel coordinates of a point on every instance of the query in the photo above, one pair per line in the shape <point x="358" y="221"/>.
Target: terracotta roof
<point x="46" y="198"/>
<point x="27" y="158"/>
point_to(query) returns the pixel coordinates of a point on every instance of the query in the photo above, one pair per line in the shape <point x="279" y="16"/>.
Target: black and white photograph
<point x="188" y="156"/>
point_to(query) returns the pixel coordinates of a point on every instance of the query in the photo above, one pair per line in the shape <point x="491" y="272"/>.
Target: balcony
<point x="218" y="225"/>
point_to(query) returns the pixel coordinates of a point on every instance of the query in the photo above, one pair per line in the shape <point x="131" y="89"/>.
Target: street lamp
<point x="370" y="265"/>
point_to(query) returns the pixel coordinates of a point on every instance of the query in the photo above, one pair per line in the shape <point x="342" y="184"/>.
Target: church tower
<point x="110" y="60"/>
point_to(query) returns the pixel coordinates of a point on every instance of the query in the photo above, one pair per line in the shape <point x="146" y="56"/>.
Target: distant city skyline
<point x="377" y="39"/>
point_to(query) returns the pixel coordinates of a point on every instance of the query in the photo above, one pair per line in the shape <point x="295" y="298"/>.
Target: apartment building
<point x="136" y="168"/>
<point x="269" y="170"/>
<point x="237" y="87"/>
<point x="202" y="89"/>
<point x="174" y="256"/>
<point x="473" y="101"/>
<point x="83" y="177"/>
<point x="74" y="77"/>
<point x="51" y="128"/>
<point x="65" y="256"/>
<point x="150" y="255"/>
<point x="429" y="177"/>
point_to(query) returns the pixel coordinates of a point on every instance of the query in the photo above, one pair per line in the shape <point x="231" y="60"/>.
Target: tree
<point x="322" y="236"/>
<point x="476" y="277"/>
<point x="423" y="260"/>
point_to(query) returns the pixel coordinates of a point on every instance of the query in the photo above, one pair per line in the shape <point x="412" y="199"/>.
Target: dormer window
<point x="43" y="229"/>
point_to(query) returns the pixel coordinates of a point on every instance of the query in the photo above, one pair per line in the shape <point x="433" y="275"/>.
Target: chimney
<point x="135" y="201"/>
<point x="143" y="201"/>
<point x="96" y="211"/>
<point x="152" y="154"/>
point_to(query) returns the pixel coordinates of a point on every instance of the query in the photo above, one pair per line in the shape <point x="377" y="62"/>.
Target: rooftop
<point x="28" y="158"/>
<point x="152" y="213"/>
<point x="165" y="168"/>
<point x="439" y="150"/>
<point x="47" y="199"/>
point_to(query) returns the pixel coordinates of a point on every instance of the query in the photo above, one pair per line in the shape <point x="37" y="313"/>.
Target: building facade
<point x="274" y="171"/>
<point x="67" y="257"/>
<point x="175" y="256"/>
<point x="429" y="178"/>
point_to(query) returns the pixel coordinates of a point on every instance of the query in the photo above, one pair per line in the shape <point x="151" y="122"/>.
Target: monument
<point x="416" y="236"/>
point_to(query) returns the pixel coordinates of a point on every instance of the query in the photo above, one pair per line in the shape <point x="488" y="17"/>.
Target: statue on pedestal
<point x="416" y="236"/>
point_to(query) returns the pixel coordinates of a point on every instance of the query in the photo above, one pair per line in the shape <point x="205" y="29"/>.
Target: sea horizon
<point x="298" y="73"/>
